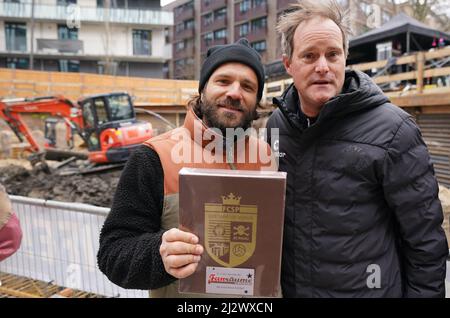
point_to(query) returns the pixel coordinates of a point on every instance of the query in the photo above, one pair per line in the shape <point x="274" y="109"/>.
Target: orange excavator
<point x="106" y="123"/>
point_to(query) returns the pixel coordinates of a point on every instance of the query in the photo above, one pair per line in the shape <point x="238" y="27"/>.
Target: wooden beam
<point x="435" y="110"/>
<point x="443" y="71"/>
<point x="164" y="109"/>
<point x="420" y="67"/>
<point x="421" y="100"/>
<point x="380" y="64"/>
<point x="16" y="293"/>
<point x="437" y="54"/>
<point x="395" y="77"/>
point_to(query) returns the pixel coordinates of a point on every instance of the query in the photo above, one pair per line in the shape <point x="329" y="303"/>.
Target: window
<point x="17" y="63"/>
<point x="65" y="2"/>
<point x="180" y="46"/>
<point x="179" y="63"/>
<point x="257" y="3"/>
<point x="180" y="9"/>
<point x="384" y="51"/>
<point x="220" y="34"/>
<point x="120" y="107"/>
<point x="16" y="36"/>
<point x="142" y="40"/>
<point x="66" y="33"/>
<point x="244" y="6"/>
<point x="220" y="13"/>
<point x="208" y="38"/>
<point x="69" y="66"/>
<point x="260" y="23"/>
<point x="113" y="3"/>
<point x="179" y="27"/>
<point x="88" y="115"/>
<point x="208" y="19"/>
<point x="100" y="109"/>
<point x="189" y="24"/>
<point x="244" y="29"/>
<point x="167" y="35"/>
<point x="259" y="46"/>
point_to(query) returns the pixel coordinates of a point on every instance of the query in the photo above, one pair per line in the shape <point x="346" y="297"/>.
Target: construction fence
<point x="60" y="244"/>
<point x="147" y="91"/>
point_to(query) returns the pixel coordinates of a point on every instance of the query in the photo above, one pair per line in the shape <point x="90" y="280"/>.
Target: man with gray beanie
<point x="141" y="246"/>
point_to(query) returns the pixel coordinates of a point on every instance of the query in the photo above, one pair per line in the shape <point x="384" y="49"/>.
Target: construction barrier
<point x="146" y="91"/>
<point x="60" y="244"/>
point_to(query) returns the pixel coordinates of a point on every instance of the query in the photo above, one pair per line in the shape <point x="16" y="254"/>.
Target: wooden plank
<point x="380" y="64"/>
<point x="438" y="53"/>
<point x="422" y="100"/>
<point x="442" y="71"/>
<point x="395" y="77"/>
<point x="436" y="109"/>
<point x="420" y="67"/>
<point x="16" y="293"/>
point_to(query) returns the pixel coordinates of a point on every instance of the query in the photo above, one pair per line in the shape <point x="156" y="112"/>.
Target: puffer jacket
<point x="363" y="218"/>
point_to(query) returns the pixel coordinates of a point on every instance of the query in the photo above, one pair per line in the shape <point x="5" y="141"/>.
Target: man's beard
<point x="210" y="115"/>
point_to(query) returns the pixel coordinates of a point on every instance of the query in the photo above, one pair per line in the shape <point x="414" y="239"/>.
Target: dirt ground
<point x="96" y="189"/>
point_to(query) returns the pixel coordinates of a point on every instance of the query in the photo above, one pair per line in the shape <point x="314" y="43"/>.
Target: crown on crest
<point x="231" y="199"/>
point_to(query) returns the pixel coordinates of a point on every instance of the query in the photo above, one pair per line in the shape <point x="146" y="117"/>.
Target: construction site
<point x="65" y="138"/>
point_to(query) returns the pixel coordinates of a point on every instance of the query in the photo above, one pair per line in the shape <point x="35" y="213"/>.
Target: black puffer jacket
<point x="363" y="218"/>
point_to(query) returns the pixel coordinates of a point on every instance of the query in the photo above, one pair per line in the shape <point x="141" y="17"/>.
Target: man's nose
<point x="234" y="91"/>
<point x="322" y="65"/>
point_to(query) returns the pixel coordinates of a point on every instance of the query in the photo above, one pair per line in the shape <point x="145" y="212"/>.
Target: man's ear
<point x="287" y="64"/>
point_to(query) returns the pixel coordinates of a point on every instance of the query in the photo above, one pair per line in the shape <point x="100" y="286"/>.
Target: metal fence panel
<point x="60" y="244"/>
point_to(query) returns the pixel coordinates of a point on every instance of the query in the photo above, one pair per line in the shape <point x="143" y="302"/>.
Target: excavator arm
<point x="11" y="110"/>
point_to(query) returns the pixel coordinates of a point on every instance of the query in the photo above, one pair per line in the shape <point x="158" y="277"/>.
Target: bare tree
<point x="422" y="10"/>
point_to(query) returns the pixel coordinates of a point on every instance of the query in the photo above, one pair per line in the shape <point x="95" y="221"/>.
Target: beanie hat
<point x="240" y="52"/>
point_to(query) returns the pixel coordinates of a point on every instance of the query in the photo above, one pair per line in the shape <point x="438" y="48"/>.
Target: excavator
<point x="106" y="123"/>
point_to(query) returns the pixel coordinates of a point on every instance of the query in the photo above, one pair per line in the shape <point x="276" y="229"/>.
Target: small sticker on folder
<point x="233" y="281"/>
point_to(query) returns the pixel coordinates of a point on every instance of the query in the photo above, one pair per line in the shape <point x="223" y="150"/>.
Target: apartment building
<point x="118" y="37"/>
<point x="201" y="24"/>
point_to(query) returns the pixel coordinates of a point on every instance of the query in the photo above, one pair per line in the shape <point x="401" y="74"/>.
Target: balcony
<point x="85" y="14"/>
<point x="283" y="4"/>
<point x="186" y="14"/>
<point x="206" y="46"/>
<point x="212" y="5"/>
<point x="186" y="52"/>
<point x="257" y="35"/>
<point x="215" y="25"/>
<point x="185" y="34"/>
<point x="254" y="12"/>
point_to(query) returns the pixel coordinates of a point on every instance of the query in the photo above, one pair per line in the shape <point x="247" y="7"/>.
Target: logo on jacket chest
<point x="276" y="149"/>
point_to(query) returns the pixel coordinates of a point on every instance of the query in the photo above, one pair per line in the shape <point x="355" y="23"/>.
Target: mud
<point x="95" y="189"/>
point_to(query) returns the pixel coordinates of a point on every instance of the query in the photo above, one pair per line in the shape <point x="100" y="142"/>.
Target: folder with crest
<point x="238" y="216"/>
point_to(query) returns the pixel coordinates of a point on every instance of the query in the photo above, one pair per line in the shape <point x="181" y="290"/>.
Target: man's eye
<point x="308" y="56"/>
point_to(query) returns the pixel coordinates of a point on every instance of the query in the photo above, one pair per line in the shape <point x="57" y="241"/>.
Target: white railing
<point x="87" y="14"/>
<point x="60" y="244"/>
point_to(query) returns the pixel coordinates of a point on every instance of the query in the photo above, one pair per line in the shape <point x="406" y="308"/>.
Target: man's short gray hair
<point x="307" y="9"/>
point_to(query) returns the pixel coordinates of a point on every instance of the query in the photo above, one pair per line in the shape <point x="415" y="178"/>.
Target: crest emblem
<point x="230" y="231"/>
